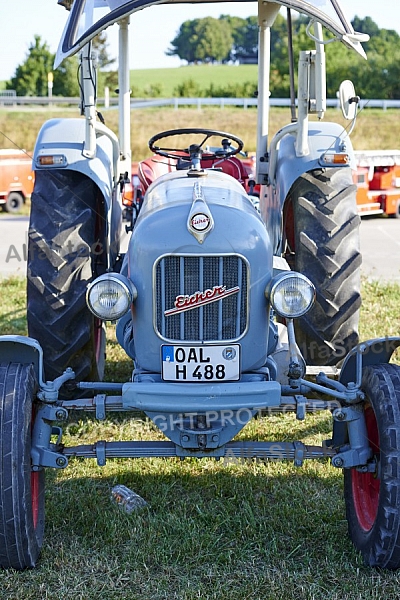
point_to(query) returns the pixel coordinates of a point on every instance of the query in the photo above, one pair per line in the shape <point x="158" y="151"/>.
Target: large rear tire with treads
<point x="66" y="251"/>
<point x="322" y="233"/>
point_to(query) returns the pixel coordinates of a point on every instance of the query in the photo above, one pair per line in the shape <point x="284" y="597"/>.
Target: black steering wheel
<point x="195" y="151"/>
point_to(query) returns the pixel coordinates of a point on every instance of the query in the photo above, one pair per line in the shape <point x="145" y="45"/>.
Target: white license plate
<point x="200" y="363"/>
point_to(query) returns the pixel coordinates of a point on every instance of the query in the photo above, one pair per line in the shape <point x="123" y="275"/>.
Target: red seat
<point x="152" y="168"/>
<point x="231" y="166"/>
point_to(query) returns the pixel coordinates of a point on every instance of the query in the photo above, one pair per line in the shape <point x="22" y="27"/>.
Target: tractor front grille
<point x="224" y="319"/>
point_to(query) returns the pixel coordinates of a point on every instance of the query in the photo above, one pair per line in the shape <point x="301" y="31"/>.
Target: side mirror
<point x="348" y="100"/>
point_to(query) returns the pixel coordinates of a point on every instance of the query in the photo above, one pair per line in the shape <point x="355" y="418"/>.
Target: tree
<point x="202" y="40"/>
<point x="31" y="77"/>
<point x="66" y="78"/>
<point x="213" y="40"/>
<point x="100" y="45"/>
<point x="107" y="76"/>
<point x="366" y="25"/>
<point x="245" y="35"/>
<point x="182" y="45"/>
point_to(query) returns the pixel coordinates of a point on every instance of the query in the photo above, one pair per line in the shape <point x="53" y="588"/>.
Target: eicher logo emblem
<point x="185" y="302"/>
<point x="200" y="222"/>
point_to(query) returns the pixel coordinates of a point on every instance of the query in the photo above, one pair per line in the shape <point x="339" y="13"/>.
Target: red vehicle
<point x="378" y="182"/>
<point x="16" y="179"/>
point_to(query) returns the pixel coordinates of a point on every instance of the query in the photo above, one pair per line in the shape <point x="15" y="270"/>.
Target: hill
<point x="166" y="80"/>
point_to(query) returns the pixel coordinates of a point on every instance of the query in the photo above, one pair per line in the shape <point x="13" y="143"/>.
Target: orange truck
<point x="16" y="179"/>
<point x="378" y="182"/>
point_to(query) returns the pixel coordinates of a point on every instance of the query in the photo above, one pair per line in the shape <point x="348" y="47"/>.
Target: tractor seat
<point x="152" y="168"/>
<point x="231" y="166"/>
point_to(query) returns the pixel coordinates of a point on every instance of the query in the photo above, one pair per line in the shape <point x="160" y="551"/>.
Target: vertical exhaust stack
<point x="124" y="98"/>
<point x="266" y="16"/>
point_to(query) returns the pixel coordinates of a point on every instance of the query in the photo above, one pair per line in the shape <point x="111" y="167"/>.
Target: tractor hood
<point x="89" y="17"/>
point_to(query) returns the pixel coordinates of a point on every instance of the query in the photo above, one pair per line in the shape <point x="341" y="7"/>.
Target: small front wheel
<point x="373" y="498"/>
<point x="21" y="489"/>
<point x="14" y="202"/>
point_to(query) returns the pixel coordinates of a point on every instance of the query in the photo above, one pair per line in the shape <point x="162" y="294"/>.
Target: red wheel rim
<point x="289" y="226"/>
<point x="35" y="492"/>
<point x="35" y="482"/>
<point x="98" y="338"/>
<point x="366" y="486"/>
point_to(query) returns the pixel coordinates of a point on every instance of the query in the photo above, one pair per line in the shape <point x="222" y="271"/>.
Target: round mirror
<point x="348" y="100"/>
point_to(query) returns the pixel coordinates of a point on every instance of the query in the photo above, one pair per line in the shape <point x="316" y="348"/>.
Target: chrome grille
<point x="224" y="319"/>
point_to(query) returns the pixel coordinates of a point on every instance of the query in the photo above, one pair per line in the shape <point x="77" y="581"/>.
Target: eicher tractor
<point x="227" y="312"/>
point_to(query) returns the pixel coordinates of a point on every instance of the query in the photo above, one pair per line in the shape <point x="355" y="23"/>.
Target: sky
<point x="151" y="31"/>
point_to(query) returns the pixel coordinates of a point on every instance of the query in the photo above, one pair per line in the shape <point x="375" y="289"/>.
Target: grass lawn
<point x="260" y="531"/>
<point x="203" y="75"/>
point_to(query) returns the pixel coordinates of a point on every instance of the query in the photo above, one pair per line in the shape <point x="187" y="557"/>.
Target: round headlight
<point x="292" y="295"/>
<point x="110" y="296"/>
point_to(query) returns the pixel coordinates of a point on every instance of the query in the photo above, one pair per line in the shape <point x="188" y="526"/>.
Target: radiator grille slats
<point x="222" y="320"/>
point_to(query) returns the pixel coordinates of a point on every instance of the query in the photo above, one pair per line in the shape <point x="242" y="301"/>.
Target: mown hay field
<point x="375" y="129"/>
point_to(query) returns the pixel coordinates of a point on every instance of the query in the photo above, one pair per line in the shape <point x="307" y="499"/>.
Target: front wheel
<point x="14" y="202"/>
<point x="373" y="498"/>
<point x="21" y="489"/>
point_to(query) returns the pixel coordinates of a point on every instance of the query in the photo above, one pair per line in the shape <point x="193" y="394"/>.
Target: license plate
<point x="202" y="364"/>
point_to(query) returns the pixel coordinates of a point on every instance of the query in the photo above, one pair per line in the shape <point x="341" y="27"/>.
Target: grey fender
<point x="371" y="352"/>
<point x="288" y="167"/>
<point x="20" y="349"/>
<point x="65" y="137"/>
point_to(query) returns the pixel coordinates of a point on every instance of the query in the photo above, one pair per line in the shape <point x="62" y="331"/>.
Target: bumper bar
<point x="296" y="451"/>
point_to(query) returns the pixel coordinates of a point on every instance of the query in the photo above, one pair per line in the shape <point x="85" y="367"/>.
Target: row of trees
<point x="229" y="38"/>
<point x="215" y="40"/>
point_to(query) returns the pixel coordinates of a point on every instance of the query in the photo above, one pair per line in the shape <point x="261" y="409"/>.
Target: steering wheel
<point x="195" y="151"/>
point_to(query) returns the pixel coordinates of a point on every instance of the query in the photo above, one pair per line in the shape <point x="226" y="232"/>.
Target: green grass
<point x="211" y="530"/>
<point x="203" y="75"/>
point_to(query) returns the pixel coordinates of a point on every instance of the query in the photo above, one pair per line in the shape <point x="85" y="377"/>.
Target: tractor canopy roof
<point x="88" y="17"/>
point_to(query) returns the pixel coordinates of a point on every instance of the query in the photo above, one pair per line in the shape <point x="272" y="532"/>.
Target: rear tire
<point x="373" y="499"/>
<point x="322" y="232"/>
<point x="14" y="202"/>
<point x="21" y="489"/>
<point x="66" y="251"/>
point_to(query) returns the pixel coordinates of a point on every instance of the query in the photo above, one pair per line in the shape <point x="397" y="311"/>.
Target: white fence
<point x="12" y="101"/>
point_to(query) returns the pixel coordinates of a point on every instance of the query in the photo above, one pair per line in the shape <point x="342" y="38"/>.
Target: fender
<point x="288" y="167"/>
<point x="21" y="349"/>
<point x="65" y="137"/>
<point x="372" y="352"/>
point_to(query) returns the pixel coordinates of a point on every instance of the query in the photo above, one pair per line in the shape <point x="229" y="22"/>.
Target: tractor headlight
<point x="291" y="294"/>
<point x="110" y="296"/>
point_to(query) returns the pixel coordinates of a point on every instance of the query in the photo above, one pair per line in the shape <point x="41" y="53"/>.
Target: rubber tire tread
<point x="12" y="198"/>
<point x="62" y="232"/>
<point x="380" y="547"/>
<point x="20" y="542"/>
<point x="327" y="251"/>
